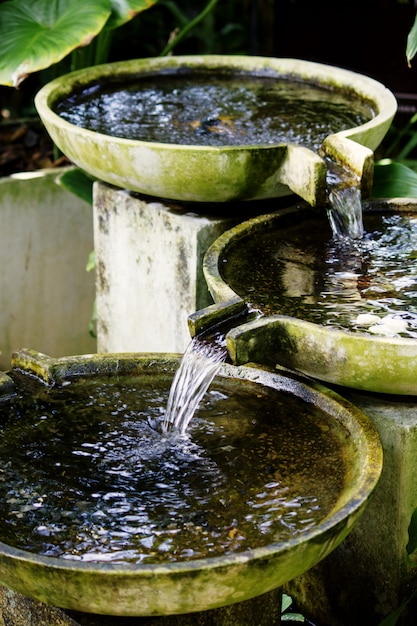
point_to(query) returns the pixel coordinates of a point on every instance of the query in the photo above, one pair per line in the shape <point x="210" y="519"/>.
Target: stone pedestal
<point x="149" y="274"/>
<point x="374" y="570"/>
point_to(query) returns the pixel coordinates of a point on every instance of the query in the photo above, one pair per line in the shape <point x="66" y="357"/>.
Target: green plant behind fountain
<point x="41" y="35"/>
<point x="37" y="36"/>
<point x="395" y="176"/>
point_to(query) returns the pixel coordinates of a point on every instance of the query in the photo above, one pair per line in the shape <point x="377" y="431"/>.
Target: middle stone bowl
<point x="339" y="311"/>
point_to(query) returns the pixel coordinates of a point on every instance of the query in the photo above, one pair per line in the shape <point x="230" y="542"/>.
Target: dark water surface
<point x="84" y="476"/>
<point x="300" y="269"/>
<point x="197" y="108"/>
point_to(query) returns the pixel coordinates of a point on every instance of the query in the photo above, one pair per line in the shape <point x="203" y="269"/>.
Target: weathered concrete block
<point x="372" y="572"/>
<point x="46" y="294"/>
<point x="149" y="257"/>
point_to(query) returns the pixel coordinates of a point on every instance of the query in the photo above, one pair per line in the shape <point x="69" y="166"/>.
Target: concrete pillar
<point x="149" y="269"/>
<point x="374" y="570"/>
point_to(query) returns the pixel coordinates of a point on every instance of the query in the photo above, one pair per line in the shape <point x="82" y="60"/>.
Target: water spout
<point x="202" y="360"/>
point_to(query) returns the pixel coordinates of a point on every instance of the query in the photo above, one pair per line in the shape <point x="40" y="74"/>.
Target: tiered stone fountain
<point x="149" y="253"/>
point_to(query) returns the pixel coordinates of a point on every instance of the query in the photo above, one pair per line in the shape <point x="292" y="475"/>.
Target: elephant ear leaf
<point x="125" y="10"/>
<point x="36" y="35"/>
<point x="394" y="180"/>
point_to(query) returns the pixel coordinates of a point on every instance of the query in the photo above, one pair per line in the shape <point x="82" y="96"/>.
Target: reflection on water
<point x="303" y="271"/>
<point x="84" y="477"/>
<point x="199" y="108"/>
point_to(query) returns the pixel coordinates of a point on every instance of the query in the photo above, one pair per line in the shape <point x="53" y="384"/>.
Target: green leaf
<point x="394" y="180"/>
<point x="411" y="48"/>
<point x="125" y="10"/>
<point x="77" y="182"/>
<point x="412" y="534"/>
<point x="36" y="35"/>
<point x="91" y="263"/>
<point x="285" y="602"/>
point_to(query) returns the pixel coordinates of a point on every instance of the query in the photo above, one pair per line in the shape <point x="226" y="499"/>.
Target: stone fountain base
<point x="374" y="570"/>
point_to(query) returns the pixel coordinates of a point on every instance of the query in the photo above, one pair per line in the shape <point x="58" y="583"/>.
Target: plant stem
<point x="183" y="32"/>
<point x="102" y="47"/>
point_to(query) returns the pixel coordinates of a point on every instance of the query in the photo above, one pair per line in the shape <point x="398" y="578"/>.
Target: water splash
<point x="199" y="365"/>
<point x="345" y="203"/>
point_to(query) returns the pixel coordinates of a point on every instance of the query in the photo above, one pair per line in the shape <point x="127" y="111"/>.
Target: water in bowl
<point x="85" y="476"/>
<point x="298" y="268"/>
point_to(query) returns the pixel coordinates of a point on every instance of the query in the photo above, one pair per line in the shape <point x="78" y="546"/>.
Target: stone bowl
<point x="355" y="359"/>
<point x="206" y="583"/>
<point x="203" y="173"/>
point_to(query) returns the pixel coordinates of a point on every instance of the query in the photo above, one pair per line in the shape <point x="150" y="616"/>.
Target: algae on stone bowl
<point x="217" y="128"/>
<point x="102" y="513"/>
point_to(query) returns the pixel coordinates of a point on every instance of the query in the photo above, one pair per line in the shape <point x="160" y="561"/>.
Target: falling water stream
<point x="345" y="203"/>
<point x="199" y="365"/>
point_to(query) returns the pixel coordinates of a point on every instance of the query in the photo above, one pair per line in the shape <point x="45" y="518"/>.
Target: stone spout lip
<point x="342" y="357"/>
<point x="189" y="586"/>
<point x="221" y="174"/>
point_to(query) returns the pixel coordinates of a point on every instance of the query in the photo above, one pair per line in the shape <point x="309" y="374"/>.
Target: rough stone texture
<point x="370" y="574"/>
<point x="149" y="270"/>
<point x="17" y="610"/>
<point x="46" y="294"/>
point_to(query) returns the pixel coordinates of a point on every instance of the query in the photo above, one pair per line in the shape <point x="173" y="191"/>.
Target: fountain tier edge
<point x="356" y="359"/>
<point x="219" y="174"/>
<point x="205" y="583"/>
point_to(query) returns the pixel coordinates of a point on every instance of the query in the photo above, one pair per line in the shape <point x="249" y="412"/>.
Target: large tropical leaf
<point x="77" y="182"/>
<point x="125" y="10"/>
<point x="394" y="180"/>
<point x="36" y="34"/>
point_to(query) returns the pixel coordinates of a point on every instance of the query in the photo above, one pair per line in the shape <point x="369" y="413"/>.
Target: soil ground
<point x="25" y="146"/>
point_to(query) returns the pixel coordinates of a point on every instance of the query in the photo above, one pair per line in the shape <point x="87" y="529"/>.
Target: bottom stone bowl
<point x="73" y="465"/>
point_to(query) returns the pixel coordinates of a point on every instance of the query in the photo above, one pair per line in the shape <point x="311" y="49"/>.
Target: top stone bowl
<point x="199" y="172"/>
